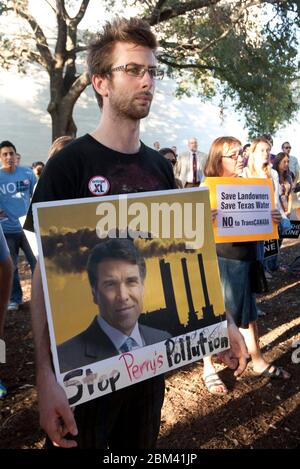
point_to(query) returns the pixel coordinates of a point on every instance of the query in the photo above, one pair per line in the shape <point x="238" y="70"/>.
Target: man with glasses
<point x="110" y="160"/>
<point x="293" y="162"/>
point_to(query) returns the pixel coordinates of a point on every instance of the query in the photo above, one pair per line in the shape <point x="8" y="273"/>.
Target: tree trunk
<point x="62" y="122"/>
<point x="63" y="101"/>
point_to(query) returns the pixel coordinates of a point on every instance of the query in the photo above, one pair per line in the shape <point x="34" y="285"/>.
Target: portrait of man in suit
<point x="116" y="271"/>
<point x="190" y="164"/>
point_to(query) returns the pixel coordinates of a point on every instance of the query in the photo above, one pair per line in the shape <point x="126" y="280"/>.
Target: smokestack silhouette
<point x="208" y="309"/>
<point x="165" y="271"/>
<point x="187" y="285"/>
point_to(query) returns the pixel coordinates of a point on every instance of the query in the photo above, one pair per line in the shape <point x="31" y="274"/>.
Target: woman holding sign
<point x="225" y="160"/>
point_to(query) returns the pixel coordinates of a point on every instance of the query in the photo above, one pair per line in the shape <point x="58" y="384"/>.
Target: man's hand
<point x="235" y="357"/>
<point x="56" y="416"/>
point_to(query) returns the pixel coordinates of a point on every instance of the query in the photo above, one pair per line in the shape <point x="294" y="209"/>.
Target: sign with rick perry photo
<point x="131" y="285"/>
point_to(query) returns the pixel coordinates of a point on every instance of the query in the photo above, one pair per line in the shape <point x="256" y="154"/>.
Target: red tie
<point x="194" y="168"/>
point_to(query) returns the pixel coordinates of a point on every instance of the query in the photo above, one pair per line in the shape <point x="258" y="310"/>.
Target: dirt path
<point x="255" y="413"/>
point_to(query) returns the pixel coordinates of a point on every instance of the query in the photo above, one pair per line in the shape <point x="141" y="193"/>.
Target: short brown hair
<point x="100" y="50"/>
<point x="213" y="166"/>
<point x="114" y="249"/>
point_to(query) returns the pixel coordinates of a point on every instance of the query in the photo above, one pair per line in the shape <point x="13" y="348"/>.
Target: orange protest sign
<point x="244" y="209"/>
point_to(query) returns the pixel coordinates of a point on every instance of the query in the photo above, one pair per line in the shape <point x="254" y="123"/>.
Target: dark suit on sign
<point x="93" y="345"/>
<point x="125" y="419"/>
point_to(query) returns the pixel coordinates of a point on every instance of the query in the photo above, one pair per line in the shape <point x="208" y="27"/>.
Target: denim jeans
<point x="16" y="241"/>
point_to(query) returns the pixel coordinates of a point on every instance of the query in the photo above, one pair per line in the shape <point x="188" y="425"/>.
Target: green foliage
<point x="246" y="51"/>
<point x="258" y="77"/>
<point x="249" y="57"/>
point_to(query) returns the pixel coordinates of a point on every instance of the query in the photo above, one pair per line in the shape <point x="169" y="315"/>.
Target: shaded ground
<point x="255" y="414"/>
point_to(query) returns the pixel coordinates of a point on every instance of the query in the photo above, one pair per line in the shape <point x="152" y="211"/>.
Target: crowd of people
<point x="228" y="158"/>
<point x="122" y="68"/>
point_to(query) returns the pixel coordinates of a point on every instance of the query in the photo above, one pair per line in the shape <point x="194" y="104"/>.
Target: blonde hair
<point x="251" y="163"/>
<point x="59" y="143"/>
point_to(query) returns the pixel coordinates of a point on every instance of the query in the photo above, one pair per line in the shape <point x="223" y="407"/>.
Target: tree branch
<point x="41" y="41"/>
<point x="156" y="12"/>
<point x="225" y="33"/>
<point x="77" y="88"/>
<point x="178" y="47"/>
<point x="61" y="10"/>
<point x="51" y="6"/>
<point x="183" y="8"/>
<point x="178" y="10"/>
<point x="235" y="20"/>
<point x="61" y="42"/>
<point x="81" y="12"/>
<point x="186" y="66"/>
<point x="34" y="57"/>
<point x="76" y="50"/>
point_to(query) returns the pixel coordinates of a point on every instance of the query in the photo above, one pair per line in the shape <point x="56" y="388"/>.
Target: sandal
<point x="213" y="384"/>
<point x="276" y="373"/>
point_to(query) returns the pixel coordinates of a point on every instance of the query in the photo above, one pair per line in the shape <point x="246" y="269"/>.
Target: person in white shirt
<point x="190" y="165"/>
<point x="293" y="162"/>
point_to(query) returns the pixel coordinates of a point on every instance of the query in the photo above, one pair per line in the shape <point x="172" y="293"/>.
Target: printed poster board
<point x="294" y="232"/>
<point x="244" y="209"/>
<point x="271" y="248"/>
<point x="181" y="303"/>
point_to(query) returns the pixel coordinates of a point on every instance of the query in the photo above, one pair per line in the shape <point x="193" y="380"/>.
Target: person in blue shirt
<point x="6" y="270"/>
<point x="16" y="188"/>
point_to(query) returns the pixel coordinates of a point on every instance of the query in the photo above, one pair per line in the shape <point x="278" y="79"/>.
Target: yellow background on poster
<point x="70" y="294"/>
<point x="213" y="182"/>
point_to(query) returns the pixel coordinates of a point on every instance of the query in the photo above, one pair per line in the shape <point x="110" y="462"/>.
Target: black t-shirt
<point x="86" y="168"/>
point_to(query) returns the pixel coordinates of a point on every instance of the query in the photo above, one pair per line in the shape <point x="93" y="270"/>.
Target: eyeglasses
<point x="234" y="156"/>
<point x="287" y="148"/>
<point x="136" y="70"/>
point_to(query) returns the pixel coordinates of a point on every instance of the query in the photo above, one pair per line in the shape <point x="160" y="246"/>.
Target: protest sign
<point x="244" y="209"/>
<point x="171" y="288"/>
<point x="293" y="232"/>
<point x="271" y="248"/>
